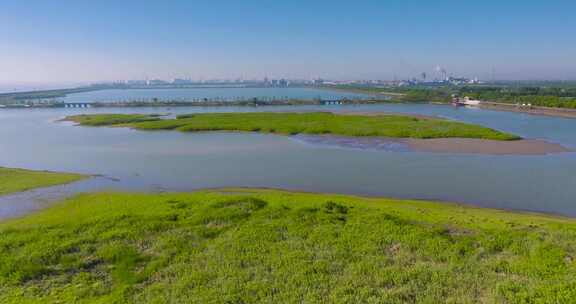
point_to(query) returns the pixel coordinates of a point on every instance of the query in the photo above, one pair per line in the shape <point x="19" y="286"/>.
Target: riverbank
<point x="533" y="110"/>
<point x="565" y="112"/>
<point x="17" y="180"/>
<point x="292" y="123"/>
<point x="250" y="245"/>
<point x="439" y="145"/>
<point x="481" y="146"/>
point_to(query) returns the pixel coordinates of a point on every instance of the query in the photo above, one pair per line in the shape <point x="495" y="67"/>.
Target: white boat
<point x="470" y="102"/>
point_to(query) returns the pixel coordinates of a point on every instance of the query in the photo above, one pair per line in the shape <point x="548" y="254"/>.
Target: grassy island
<point x="16" y="180"/>
<point x="271" y="246"/>
<point x="397" y="126"/>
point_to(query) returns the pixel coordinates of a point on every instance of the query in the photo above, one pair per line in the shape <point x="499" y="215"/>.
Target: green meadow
<point x="397" y="126"/>
<point x="16" y="180"/>
<point x="271" y="246"/>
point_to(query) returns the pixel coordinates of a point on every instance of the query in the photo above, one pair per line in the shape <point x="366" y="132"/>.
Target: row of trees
<point x="545" y="96"/>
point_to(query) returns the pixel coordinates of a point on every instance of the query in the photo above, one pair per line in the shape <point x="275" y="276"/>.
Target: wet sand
<point x="439" y="145"/>
<point x="453" y="145"/>
<point x="482" y="146"/>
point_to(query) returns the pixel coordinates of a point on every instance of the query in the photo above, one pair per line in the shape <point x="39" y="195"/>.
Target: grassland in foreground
<point x="268" y="246"/>
<point x="397" y="126"/>
<point x="16" y="180"/>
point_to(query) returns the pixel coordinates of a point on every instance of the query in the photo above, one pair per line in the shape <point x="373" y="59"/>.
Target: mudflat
<point x="440" y="145"/>
<point x="482" y="146"/>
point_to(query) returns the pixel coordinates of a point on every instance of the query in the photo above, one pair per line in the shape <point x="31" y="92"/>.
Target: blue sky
<point x="74" y="41"/>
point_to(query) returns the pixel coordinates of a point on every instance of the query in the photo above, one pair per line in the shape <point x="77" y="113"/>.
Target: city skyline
<point x="71" y="42"/>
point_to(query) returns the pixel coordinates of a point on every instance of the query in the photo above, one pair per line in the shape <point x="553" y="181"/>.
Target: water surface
<point x="174" y="161"/>
<point x="187" y="94"/>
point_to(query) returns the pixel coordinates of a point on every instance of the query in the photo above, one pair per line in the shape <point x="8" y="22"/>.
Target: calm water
<point x="24" y="87"/>
<point x="210" y="93"/>
<point x="185" y="161"/>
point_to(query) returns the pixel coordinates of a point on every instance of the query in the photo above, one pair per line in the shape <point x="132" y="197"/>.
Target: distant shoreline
<point x="359" y="91"/>
<point x="496" y="106"/>
<point x="533" y="110"/>
<point x="17" y="100"/>
<point x="200" y="102"/>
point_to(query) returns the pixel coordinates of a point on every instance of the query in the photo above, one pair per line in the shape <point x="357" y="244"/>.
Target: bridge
<point x="328" y="102"/>
<point x="77" y="105"/>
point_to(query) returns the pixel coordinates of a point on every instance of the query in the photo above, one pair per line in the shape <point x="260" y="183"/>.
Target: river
<point x="174" y="161"/>
<point x="186" y="94"/>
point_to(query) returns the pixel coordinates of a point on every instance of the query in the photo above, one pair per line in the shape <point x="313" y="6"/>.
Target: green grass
<point x="268" y="246"/>
<point x="16" y="180"/>
<point x="301" y="123"/>
<point x="96" y="120"/>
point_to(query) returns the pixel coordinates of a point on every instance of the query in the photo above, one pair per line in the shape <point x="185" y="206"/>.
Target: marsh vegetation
<point x="397" y="126"/>
<point x="254" y="246"/>
<point x="16" y="180"/>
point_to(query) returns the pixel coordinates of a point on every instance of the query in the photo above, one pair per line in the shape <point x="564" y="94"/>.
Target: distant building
<point x="137" y="82"/>
<point x="157" y="82"/>
<point x="179" y="81"/>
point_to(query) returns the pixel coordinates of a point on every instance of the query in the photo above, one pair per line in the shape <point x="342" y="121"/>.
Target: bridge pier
<point x="77" y="105"/>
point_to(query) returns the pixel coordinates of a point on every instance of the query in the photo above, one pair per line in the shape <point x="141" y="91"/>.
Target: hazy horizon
<point x="68" y="42"/>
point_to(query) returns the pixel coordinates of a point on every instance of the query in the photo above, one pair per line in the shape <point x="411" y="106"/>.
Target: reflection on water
<point x="362" y="143"/>
<point x="174" y="161"/>
<point x="23" y="202"/>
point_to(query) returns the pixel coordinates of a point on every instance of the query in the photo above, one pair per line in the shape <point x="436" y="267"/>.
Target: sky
<point x="86" y="41"/>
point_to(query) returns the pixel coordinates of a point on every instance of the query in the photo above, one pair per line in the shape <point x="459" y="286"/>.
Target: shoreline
<point x="520" y="147"/>
<point x="489" y="105"/>
<point x="486" y="147"/>
<point x="371" y="98"/>
<point x="534" y="110"/>
<point x="360" y="91"/>
<point x="38" y="200"/>
<point x="294" y="123"/>
<point x="17" y="180"/>
<point x="196" y="103"/>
